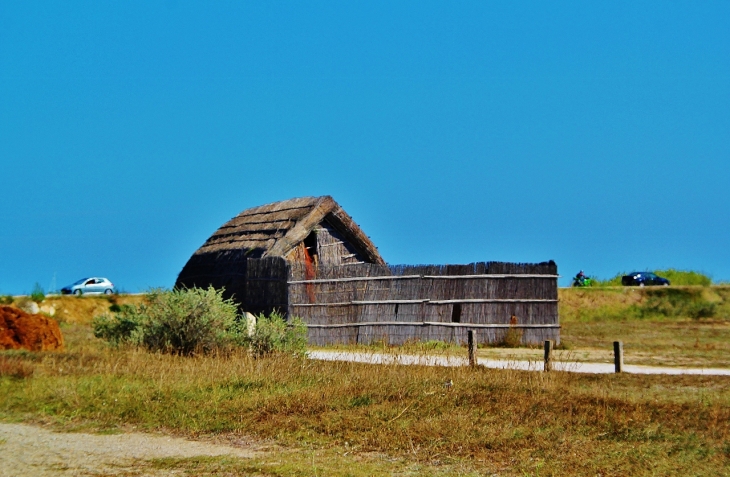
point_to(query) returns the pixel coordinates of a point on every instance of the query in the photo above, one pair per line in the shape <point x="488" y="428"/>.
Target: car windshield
<point x="79" y="282"/>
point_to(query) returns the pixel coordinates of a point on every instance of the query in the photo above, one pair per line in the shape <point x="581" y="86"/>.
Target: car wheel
<point x="108" y="291"/>
<point x="642" y="284"/>
<point x="666" y="284"/>
<point x="77" y="292"/>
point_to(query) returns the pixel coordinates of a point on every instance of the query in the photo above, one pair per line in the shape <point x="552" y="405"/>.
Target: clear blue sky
<point x="596" y="134"/>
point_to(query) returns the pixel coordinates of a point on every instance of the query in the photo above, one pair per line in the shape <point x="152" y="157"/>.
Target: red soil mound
<point x="19" y="330"/>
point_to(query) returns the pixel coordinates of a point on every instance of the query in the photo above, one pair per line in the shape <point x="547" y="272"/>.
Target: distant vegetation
<point x="597" y="304"/>
<point x="676" y="277"/>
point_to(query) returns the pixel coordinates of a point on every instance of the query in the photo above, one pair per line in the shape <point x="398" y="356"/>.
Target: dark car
<point x="643" y="279"/>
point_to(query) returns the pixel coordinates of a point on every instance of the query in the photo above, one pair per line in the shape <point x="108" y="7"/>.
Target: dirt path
<point x="27" y="450"/>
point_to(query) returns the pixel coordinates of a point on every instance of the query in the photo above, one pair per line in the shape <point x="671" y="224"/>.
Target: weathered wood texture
<point x="274" y="230"/>
<point x="435" y="302"/>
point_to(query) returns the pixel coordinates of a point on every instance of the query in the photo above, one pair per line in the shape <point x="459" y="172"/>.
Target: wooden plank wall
<point x="333" y="249"/>
<point x="363" y="303"/>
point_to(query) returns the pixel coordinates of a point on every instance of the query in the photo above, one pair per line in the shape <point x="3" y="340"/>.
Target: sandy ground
<point x="527" y="365"/>
<point x="27" y="450"/>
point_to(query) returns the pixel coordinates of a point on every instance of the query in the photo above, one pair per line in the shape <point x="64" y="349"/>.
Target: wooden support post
<point x="618" y="355"/>
<point x="548" y="355"/>
<point x="472" y="349"/>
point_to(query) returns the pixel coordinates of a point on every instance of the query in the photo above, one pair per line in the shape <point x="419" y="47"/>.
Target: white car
<point x="89" y="286"/>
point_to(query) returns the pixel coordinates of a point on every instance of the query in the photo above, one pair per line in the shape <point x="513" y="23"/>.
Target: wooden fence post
<point x="548" y="355"/>
<point x="472" y="349"/>
<point x="618" y="355"/>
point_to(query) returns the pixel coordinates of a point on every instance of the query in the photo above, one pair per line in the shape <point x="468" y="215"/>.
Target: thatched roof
<point x="273" y="230"/>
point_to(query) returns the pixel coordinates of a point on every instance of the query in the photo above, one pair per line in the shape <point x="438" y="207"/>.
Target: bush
<point x="37" y="295"/>
<point x="6" y="300"/>
<point x="124" y="327"/>
<point x="185" y="322"/>
<point x="275" y="334"/>
<point x="197" y="321"/>
<point x="685" y="277"/>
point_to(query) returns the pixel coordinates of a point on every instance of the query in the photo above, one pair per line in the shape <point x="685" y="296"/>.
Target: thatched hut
<point x="309" y="230"/>
<point x="306" y="257"/>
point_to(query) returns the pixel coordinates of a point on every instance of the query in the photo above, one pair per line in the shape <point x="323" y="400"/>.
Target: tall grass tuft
<point x="37" y="295"/>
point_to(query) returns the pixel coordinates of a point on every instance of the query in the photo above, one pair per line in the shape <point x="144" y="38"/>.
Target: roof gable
<point x="275" y="229"/>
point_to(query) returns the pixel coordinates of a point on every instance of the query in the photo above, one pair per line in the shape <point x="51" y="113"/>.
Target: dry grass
<point x="75" y="309"/>
<point x="650" y="323"/>
<point x="327" y="418"/>
<point x="15" y="367"/>
<point x="392" y="418"/>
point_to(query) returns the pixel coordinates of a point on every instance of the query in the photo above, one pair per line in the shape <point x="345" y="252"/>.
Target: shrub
<point x="185" y="322"/>
<point x="685" y="277"/>
<point x="6" y="300"/>
<point x="275" y="334"/>
<point x="37" y="295"/>
<point x="123" y="327"/>
<point x="197" y="321"/>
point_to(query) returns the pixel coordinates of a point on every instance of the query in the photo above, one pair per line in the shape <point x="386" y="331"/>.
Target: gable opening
<point x="310" y="246"/>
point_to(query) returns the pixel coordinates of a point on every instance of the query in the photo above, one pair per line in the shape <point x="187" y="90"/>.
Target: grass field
<point x="324" y="418"/>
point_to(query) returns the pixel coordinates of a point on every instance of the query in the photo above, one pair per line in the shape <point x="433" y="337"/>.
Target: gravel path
<point x="27" y="450"/>
<point x="575" y="367"/>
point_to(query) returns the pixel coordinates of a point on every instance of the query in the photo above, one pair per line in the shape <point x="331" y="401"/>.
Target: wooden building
<point x="306" y="257"/>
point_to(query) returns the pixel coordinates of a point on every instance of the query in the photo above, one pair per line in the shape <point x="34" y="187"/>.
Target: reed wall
<point x="362" y="303"/>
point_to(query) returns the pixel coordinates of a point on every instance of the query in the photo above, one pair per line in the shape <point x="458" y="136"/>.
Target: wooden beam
<point x="354" y="279"/>
<point x="425" y="300"/>
<point x="492" y="300"/>
<point x="465" y="277"/>
<point x="432" y="323"/>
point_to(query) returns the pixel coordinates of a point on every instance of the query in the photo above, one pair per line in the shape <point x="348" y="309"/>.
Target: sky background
<point x="595" y="134"/>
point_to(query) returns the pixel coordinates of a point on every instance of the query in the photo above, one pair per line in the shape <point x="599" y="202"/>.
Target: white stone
<point x="49" y="310"/>
<point x="250" y="324"/>
<point x="29" y="307"/>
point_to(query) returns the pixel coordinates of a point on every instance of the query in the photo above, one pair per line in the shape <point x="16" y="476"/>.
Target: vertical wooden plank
<point x="472" y="349"/>
<point x="618" y="356"/>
